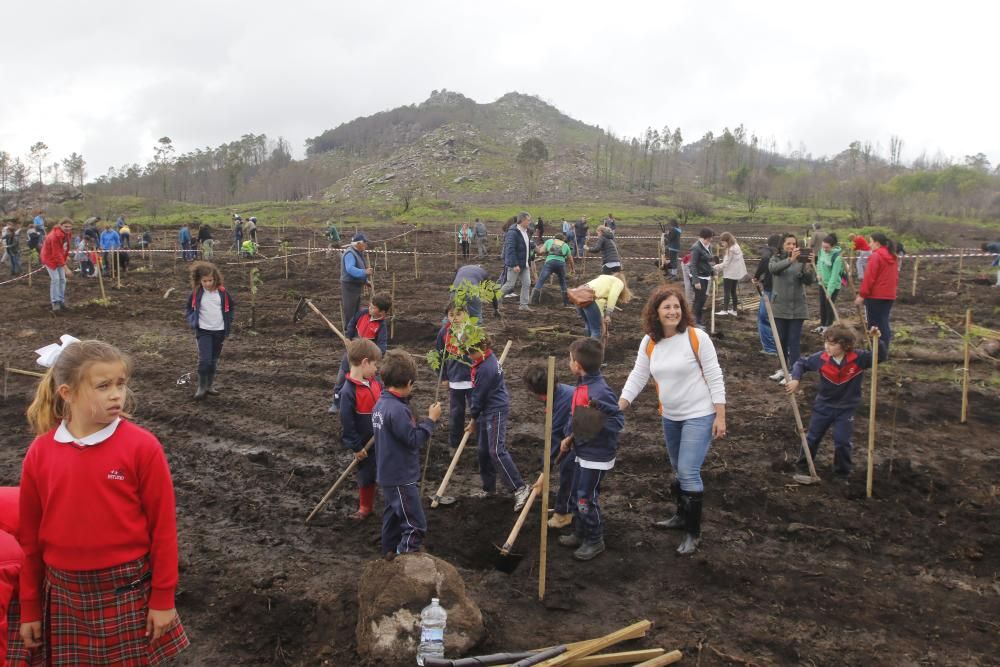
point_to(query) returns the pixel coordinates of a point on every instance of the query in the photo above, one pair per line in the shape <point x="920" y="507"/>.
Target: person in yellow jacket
<point x="609" y="291"/>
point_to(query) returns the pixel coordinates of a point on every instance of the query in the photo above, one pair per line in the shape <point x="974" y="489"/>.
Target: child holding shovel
<point x="597" y="421"/>
<point x="490" y="407"/>
<point x="371" y="324"/>
<point x="398" y="439"/>
<point x="536" y="378"/>
<point x="841" y="370"/>
<point x="358" y="397"/>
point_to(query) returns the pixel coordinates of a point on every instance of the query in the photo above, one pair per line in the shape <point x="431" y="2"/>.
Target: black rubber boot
<point x="212" y="391"/>
<point x="676" y="522"/>
<point x="692" y="502"/>
<point x="536" y="297"/>
<point x="202" y="387"/>
<point x="589" y="550"/>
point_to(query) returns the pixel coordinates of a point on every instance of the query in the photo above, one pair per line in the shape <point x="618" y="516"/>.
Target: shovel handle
<point x="509" y="544"/>
<point x="328" y="322"/>
<point x="451" y="470"/>
<point x="340" y="480"/>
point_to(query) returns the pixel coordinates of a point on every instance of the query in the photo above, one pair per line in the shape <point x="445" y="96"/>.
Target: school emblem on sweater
<point x="116" y="475"/>
<point x="377" y="420"/>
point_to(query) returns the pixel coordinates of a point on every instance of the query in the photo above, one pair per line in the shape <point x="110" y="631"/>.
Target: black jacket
<point x="763" y="273"/>
<point x="701" y="261"/>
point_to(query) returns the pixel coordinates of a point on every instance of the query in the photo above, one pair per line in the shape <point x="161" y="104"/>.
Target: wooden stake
<point x="392" y="318"/>
<point x="29" y="268"/>
<point x="587" y="648"/>
<point x="665" y="659"/>
<point x="118" y="269"/>
<point x="543" y="543"/>
<point x="871" y="418"/>
<point x="286" y="260"/>
<point x="961" y="257"/>
<point x="100" y="278"/>
<point x="965" y="367"/>
<point x="711" y="329"/>
<point x="416" y="271"/>
<point x="309" y="252"/>
<point x="5" y="380"/>
<point x="385" y="255"/>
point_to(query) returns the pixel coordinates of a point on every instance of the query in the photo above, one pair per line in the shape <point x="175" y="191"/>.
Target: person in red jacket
<point x="97" y="520"/>
<point x="11" y="557"/>
<point x="878" y="289"/>
<point x="55" y="252"/>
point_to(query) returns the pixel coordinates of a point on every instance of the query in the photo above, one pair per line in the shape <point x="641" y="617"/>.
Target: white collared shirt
<point x="63" y="434"/>
<point x="527" y="244"/>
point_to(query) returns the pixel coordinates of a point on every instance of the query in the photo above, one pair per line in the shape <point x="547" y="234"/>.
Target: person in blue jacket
<point x="398" y="440"/>
<point x="517" y="254"/>
<point x="210" y="309"/>
<point x="489" y="406"/>
<point x="110" y="241"/>
<point x="595" y="455"/>
<point x="536" y="378"/>
<point x="357" y="400"/>
<point x="354" y="275"/>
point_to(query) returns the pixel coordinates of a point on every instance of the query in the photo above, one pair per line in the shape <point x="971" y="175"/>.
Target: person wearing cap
<point x="354" y="274"/>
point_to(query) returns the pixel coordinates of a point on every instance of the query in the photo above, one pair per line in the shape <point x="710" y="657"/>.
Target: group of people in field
<point x="88" y="546"/>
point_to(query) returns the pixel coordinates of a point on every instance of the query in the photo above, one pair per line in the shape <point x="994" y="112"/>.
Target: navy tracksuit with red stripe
<point x="398" y="439"/>
<point x="595" y="457"/>
<point x="837" y="399"/>
<point x="490" y="407"/>
<point x="357" y="400"/>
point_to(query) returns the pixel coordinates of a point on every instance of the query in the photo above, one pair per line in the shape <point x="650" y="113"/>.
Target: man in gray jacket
<point x="480" y="233"/>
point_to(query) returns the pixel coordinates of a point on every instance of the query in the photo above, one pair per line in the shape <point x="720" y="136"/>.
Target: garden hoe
<point x="340" y="480"/>
<point x="300" y="313"/>
<point x="812" y="477"/>
<point x="508" y="561"/>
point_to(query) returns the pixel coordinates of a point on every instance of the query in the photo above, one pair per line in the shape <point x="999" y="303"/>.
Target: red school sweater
<point x="95" y="507"/>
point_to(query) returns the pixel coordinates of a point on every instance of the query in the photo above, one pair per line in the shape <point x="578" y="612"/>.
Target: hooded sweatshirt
<point x="881" y="276"/>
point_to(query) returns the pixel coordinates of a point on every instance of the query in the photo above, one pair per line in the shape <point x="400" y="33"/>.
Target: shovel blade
<point x="805" y="480"/>
<point x="507" y="561"/>
<point x="442" y="500"/>
<point x="299" y="310"/>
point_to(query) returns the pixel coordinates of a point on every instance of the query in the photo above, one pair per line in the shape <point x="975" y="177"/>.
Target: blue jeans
<point x="550" y="268"/>
<point x="592" y="320"/>
<point x="209" y="349"/>
<point x="492" y="443"/>
<point x="790" y="335"/>
<point x="877" y="311"/>
<point x="687" y="445"/>
<point x="764" y="325"/>
<point x="57" y="288"/>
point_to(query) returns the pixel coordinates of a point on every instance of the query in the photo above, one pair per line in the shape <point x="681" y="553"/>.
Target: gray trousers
<point x="481" y="246"/>
<point x="350" y="298"/>
<point x="524" y="275"/>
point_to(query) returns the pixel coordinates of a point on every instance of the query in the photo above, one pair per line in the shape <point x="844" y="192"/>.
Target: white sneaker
<point x="783" y="382"/>
<point x="777" y="375"/>
<point x="521" y="497"/>
<point x="733" y="313"/>
<point x="817" y="330"/>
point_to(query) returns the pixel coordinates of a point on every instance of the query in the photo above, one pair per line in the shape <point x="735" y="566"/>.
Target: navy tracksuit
<point x="455" y="371"/>
<point x="490" y="407"/>
<point x="595" y="457"/>
<point x="562" y="400"/>
<point x="361" y="326"/>
<point x="837" y="399"/>
<point x="357" y="400"/>
<point x="398" y="439"/>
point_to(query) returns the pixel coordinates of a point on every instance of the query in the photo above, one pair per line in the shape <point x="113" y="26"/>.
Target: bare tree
<point x="5" y="166"/>
<point x="39" y="151"/>
<point x="895" y="150"/>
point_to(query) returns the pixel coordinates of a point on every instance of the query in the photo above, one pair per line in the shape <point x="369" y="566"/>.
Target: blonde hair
<point x="48" y="408"/>
<point x="728" y="239"/>
<point x="626" y="294"/>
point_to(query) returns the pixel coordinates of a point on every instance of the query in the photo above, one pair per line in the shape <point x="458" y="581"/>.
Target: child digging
<point x="490" y="407"/>
<point x="398" y="439"/>
<point x="595" y="455"/>
<point x="358" y="397"/>
<point x="457" y="373"/>
<point x="841" y="371"/>
<point x="368" y="323"/>
<point x="536" y="378"/>
<point x="210" y="309"/>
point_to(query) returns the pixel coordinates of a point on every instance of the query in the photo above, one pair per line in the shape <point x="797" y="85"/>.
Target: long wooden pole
<point x="543" y="543"/>
<point x="340" y="480"/>
<point x="916" y="269"/>
<point x="100" y="278"/>
<point x="871" y="418"/>
<point x="29" y="268"/>
<point x="385" y="255"/>
<point x="961" y="257"/>
<point x="711" y="328"/>
<point x="965" y="367"/>
<point x="456" y="246"/>
<point x="118" y="268"/>
<point x="392" y="318"/>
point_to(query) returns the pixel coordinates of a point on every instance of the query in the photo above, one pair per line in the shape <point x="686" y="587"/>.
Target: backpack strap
<point x="693" y="340"/>
<point x="649" y="353"/>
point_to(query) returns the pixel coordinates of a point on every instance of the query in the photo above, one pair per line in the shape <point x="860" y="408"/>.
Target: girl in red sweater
<point x="97" y="521"/>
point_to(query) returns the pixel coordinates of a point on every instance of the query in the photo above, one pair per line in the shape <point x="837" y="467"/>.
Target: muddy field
<point x="786" y="575"/>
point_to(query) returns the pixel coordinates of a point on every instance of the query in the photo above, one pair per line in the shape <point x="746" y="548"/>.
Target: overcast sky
<point x="107" y="78"/>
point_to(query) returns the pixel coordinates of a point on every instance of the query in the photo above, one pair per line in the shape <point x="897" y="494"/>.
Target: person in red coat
<point x="11" y="557"/>
<point x="878" y="289"/>
<point x="55" y="252"/>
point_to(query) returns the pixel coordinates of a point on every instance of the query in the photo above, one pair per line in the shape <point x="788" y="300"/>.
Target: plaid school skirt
<point x="98" y="617"/>
<point x="18" y="655"/>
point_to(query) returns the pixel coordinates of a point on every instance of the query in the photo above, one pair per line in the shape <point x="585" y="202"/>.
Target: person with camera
<point x="791" y="270"/>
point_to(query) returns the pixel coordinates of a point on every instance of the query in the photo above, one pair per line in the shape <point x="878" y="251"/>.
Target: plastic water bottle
<point x="433" y="620"/>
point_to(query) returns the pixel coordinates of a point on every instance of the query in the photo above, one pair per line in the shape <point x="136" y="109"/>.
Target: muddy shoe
<point x="521" y="497"/>
<point x="202" y="390"/>
<point x="480" y="494"/>
<point x="676" y="522"/>
<point x="589" y="551"/>
<point x="689" y="545"/>
<point x="360" y="515"/>
<point x="571" y="540"/>
<point x="560" y="520"/>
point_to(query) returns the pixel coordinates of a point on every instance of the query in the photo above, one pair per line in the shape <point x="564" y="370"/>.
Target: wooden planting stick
<point x="392" y="318"/>
<point x="543" y="542"/>
<point x="309" y="252"/>
<point x="385" y="255"/>
<point x="328" y="322"/>
<point x="461" y="446"/>
<point x="456" y="246"/>
<point x="118" y="268"/>
<point x="871" y="418"/>
<point x="286" y="260"/>
<point x="619" y="658"/>
<point x="916" y="269"/>
<point x="100" y="278"/>
<point x="711" y="328"/>
<point x="416" y="270"/>
<point x="593" y="646"/>
<point x="516" y="530"/>
<point x="965" y="368"/>
<point x="665" y="659"/>
<point x="29" y="269"/>
<point x="961" y="257"/>
<point x="340" y="480"/>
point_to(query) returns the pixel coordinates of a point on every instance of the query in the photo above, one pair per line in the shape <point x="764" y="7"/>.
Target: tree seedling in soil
<point x="255" y="282"/>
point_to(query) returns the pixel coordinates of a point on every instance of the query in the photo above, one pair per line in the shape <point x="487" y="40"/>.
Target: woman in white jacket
<point x="733" y="269"/>
<point x="682" y="362"/>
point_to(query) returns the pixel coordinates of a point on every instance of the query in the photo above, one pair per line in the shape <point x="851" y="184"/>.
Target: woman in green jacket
<point x="790" y="271"/>
<point x="829" y="267"/>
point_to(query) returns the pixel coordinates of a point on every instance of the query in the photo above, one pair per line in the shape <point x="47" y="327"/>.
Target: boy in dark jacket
<point x="489" y="406"/>
<point x="457" y="373"/>
<point x="841" y="371"/>
<point x="536" y="377"/>
<point x="357" y="400"/>
<point x="398" y="439"/>
<point x="595" y="455"/>
<point x="371" y="324"/>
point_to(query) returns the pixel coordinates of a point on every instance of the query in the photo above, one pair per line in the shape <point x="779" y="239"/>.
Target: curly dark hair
<point x="201" y="270"/>
<point x="651" y="318"/>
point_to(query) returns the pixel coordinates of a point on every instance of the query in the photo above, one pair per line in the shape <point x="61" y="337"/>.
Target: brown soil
<point x="786" y="574"/>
